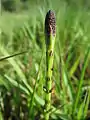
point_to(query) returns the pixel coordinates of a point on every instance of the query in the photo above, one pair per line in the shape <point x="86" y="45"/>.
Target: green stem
<point x="50" y="41"/>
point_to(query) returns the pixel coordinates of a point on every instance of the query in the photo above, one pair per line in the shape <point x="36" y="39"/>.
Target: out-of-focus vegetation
<point x="14" y="5"/>
<point x="19" y="5"/>
<point x="22" y="77"/>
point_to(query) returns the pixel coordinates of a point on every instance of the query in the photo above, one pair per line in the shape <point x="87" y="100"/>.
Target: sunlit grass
<point x="22" y="78"/>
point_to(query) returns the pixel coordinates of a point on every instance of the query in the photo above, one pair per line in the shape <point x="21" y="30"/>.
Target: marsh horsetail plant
<point x="50" y="33"/>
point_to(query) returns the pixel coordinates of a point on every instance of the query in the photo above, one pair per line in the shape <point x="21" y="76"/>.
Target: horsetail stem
<point x="50" y="33"/>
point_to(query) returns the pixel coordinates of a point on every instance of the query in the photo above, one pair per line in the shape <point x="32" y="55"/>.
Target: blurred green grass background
<point x="22" y="28"/>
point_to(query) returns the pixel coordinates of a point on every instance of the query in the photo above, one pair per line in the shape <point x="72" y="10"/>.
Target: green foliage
<point x="14" y="5"/>
<point x="9" y="5"/>
<point x="22" y="77"/>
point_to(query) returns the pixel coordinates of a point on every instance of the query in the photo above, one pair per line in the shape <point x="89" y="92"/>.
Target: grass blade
<point x="81" y="79"/>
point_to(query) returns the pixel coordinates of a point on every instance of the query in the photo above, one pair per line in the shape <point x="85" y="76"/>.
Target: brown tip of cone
<point x="50" y="23"/>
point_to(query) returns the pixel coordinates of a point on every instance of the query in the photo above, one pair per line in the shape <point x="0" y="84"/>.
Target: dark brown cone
<point x="50" y="23"/>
